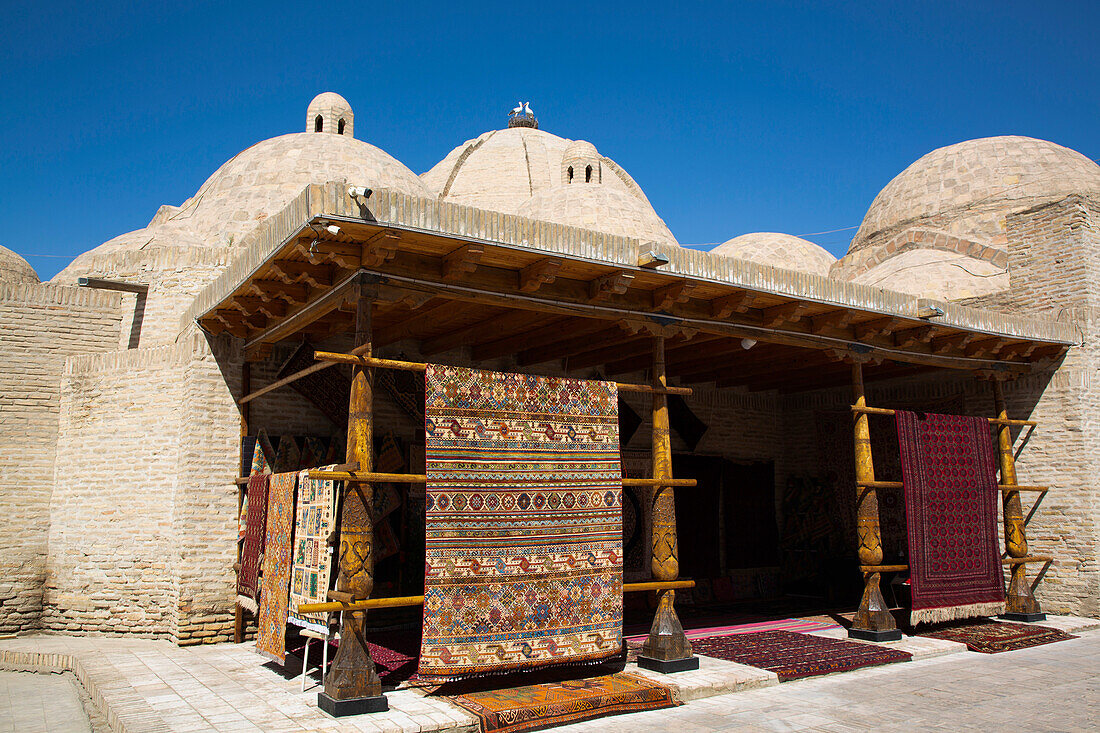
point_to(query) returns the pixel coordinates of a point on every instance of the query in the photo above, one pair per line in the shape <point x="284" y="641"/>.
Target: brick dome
<point x="779" y="250"/>
<point x="600" y="208"/>
<point x="15" y="269"/>
<point x="502" y="169"/>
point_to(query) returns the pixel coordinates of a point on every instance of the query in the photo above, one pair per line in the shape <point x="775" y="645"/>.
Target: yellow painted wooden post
<point x="352" y="686"/>
<point x="1020" y="603"/>
<point x="667" y="648"/>
<point x="873" y="620"/>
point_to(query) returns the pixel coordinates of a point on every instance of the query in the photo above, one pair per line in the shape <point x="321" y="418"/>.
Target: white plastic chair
<point x="310" y="636"/>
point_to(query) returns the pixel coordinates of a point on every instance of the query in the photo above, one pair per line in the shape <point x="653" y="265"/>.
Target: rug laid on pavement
<point x="314" y="521"/>
<point x="534" y="707"/>
<point x="274" y="600"/>
<point x="951" y="491"/>
<point x="993" y="637"/>
<point x="524" y="523"/>
<point x="792" y="655"/>
<point x="248" y="575"/>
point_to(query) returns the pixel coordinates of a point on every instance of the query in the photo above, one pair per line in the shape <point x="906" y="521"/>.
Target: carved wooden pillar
<point x="667" y="648"/>
<point x="351" y="684"/>
<point x="1020" y="604"/>
<point x="873" y="620"/>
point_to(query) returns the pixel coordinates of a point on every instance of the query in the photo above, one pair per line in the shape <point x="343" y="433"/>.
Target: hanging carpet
<point x="288" y="456"/>
<point x="255" y="525"/>
<point x="271" y="637"/>
<point x="314" y="521"/>
<point x="524" y="523"/>
<point x="792" y="655"/>
<point x="534" y="707"/>
<point x="993" y="637"/>
<point x="951" y="507"/>
<point x="262" y="455"/>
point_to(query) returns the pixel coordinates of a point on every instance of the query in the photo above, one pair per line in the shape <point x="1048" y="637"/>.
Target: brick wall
<point x="40" y="325"/>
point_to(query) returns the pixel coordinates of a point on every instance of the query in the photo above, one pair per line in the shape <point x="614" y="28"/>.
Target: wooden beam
<point x="613" y="283"/>
<point x="703" y="347"/>
<point x="537" y="274"/>
<point x="277" y="289"/>
<point x="426" y="315"/>
<point x="317" y="276"/>
<point x="876" y="327"/>
<point x="832" y="321"/>
<point x="560" y="348"/>
<point x="677" y="292"/>
<point x="626" y="345"/>
<point x="725" y="306"/>
<point x="913" y="336"/>
<point x="318" y="308"/>
<point x="785" y="313"/>
<point x="540" y="327"/>
<point x="496" y="322"/>
<point x="347" y="256"/>
<point x="381" y="248"/>
<point x="463" y="260"/>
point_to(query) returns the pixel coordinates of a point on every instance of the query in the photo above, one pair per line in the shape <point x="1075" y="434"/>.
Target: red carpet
<point x="792" y="656"/>
<point x="993" y="637"/>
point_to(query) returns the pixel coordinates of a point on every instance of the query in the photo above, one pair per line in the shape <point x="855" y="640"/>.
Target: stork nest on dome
<point x="522" y="116"/>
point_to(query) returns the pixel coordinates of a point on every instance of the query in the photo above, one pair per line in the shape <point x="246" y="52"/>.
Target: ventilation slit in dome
<point x="588" y="174"/>
<point x="570" y="174"/>
<point x="319" y="124"/>
<point x="340" y="127"/>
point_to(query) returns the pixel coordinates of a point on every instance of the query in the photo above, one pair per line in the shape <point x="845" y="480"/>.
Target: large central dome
<point x="530" y="172"/>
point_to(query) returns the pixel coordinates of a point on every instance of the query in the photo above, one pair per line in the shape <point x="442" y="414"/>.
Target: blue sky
<point x="734" y="117"/>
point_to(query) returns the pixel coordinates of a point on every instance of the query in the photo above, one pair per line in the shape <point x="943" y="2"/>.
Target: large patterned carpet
<point x="524" y="523"/>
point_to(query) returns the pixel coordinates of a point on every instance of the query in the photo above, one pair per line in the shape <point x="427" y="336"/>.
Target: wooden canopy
<point x="546" y="304"/>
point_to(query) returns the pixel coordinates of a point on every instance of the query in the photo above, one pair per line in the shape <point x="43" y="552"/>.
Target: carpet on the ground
<point x="274" y="590"/>
<point x="252" y="547"/>
<point x="951" y="493"/>
<point x="549" y="704"/>
<point x="524" y="522"/>
<point x="800" y="625"/>
<point x="993" y="637"/>
<point x="792" y="655"/>
<point x="314" y="521"/>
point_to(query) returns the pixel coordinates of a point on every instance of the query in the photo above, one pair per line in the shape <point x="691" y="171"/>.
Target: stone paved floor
<point x="40" y="703"/>
<point x="1055" y="687"/>
<point x="145" y="685"/>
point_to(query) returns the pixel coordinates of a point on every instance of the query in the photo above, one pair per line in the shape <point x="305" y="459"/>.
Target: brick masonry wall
<point x="112" y="564"/>
<point x="40" y="325"/>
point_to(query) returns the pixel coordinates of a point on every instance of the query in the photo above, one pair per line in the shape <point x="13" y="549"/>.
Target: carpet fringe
<point x="248" y="604"/>
<point x="953" y="613"/>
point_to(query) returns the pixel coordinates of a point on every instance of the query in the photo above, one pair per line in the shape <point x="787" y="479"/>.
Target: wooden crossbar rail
<point x="883" y="568"/>
<point x="401" y="601"/>
<point x="419" y="478"/>
<point x="898" y="485"/>
<point x="413" y="366"/>
<point x="290" y="378"/>
<point x="991" y="420"/>
<point x="1029" y="558"/>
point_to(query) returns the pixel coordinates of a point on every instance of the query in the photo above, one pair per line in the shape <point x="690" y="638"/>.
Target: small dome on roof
<point x="779" y="250"/>
<point x="329" y="112"/>
<point x="15" y="269"/>
<point x="501" y="169"/>
<point x="600" y="208"/>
